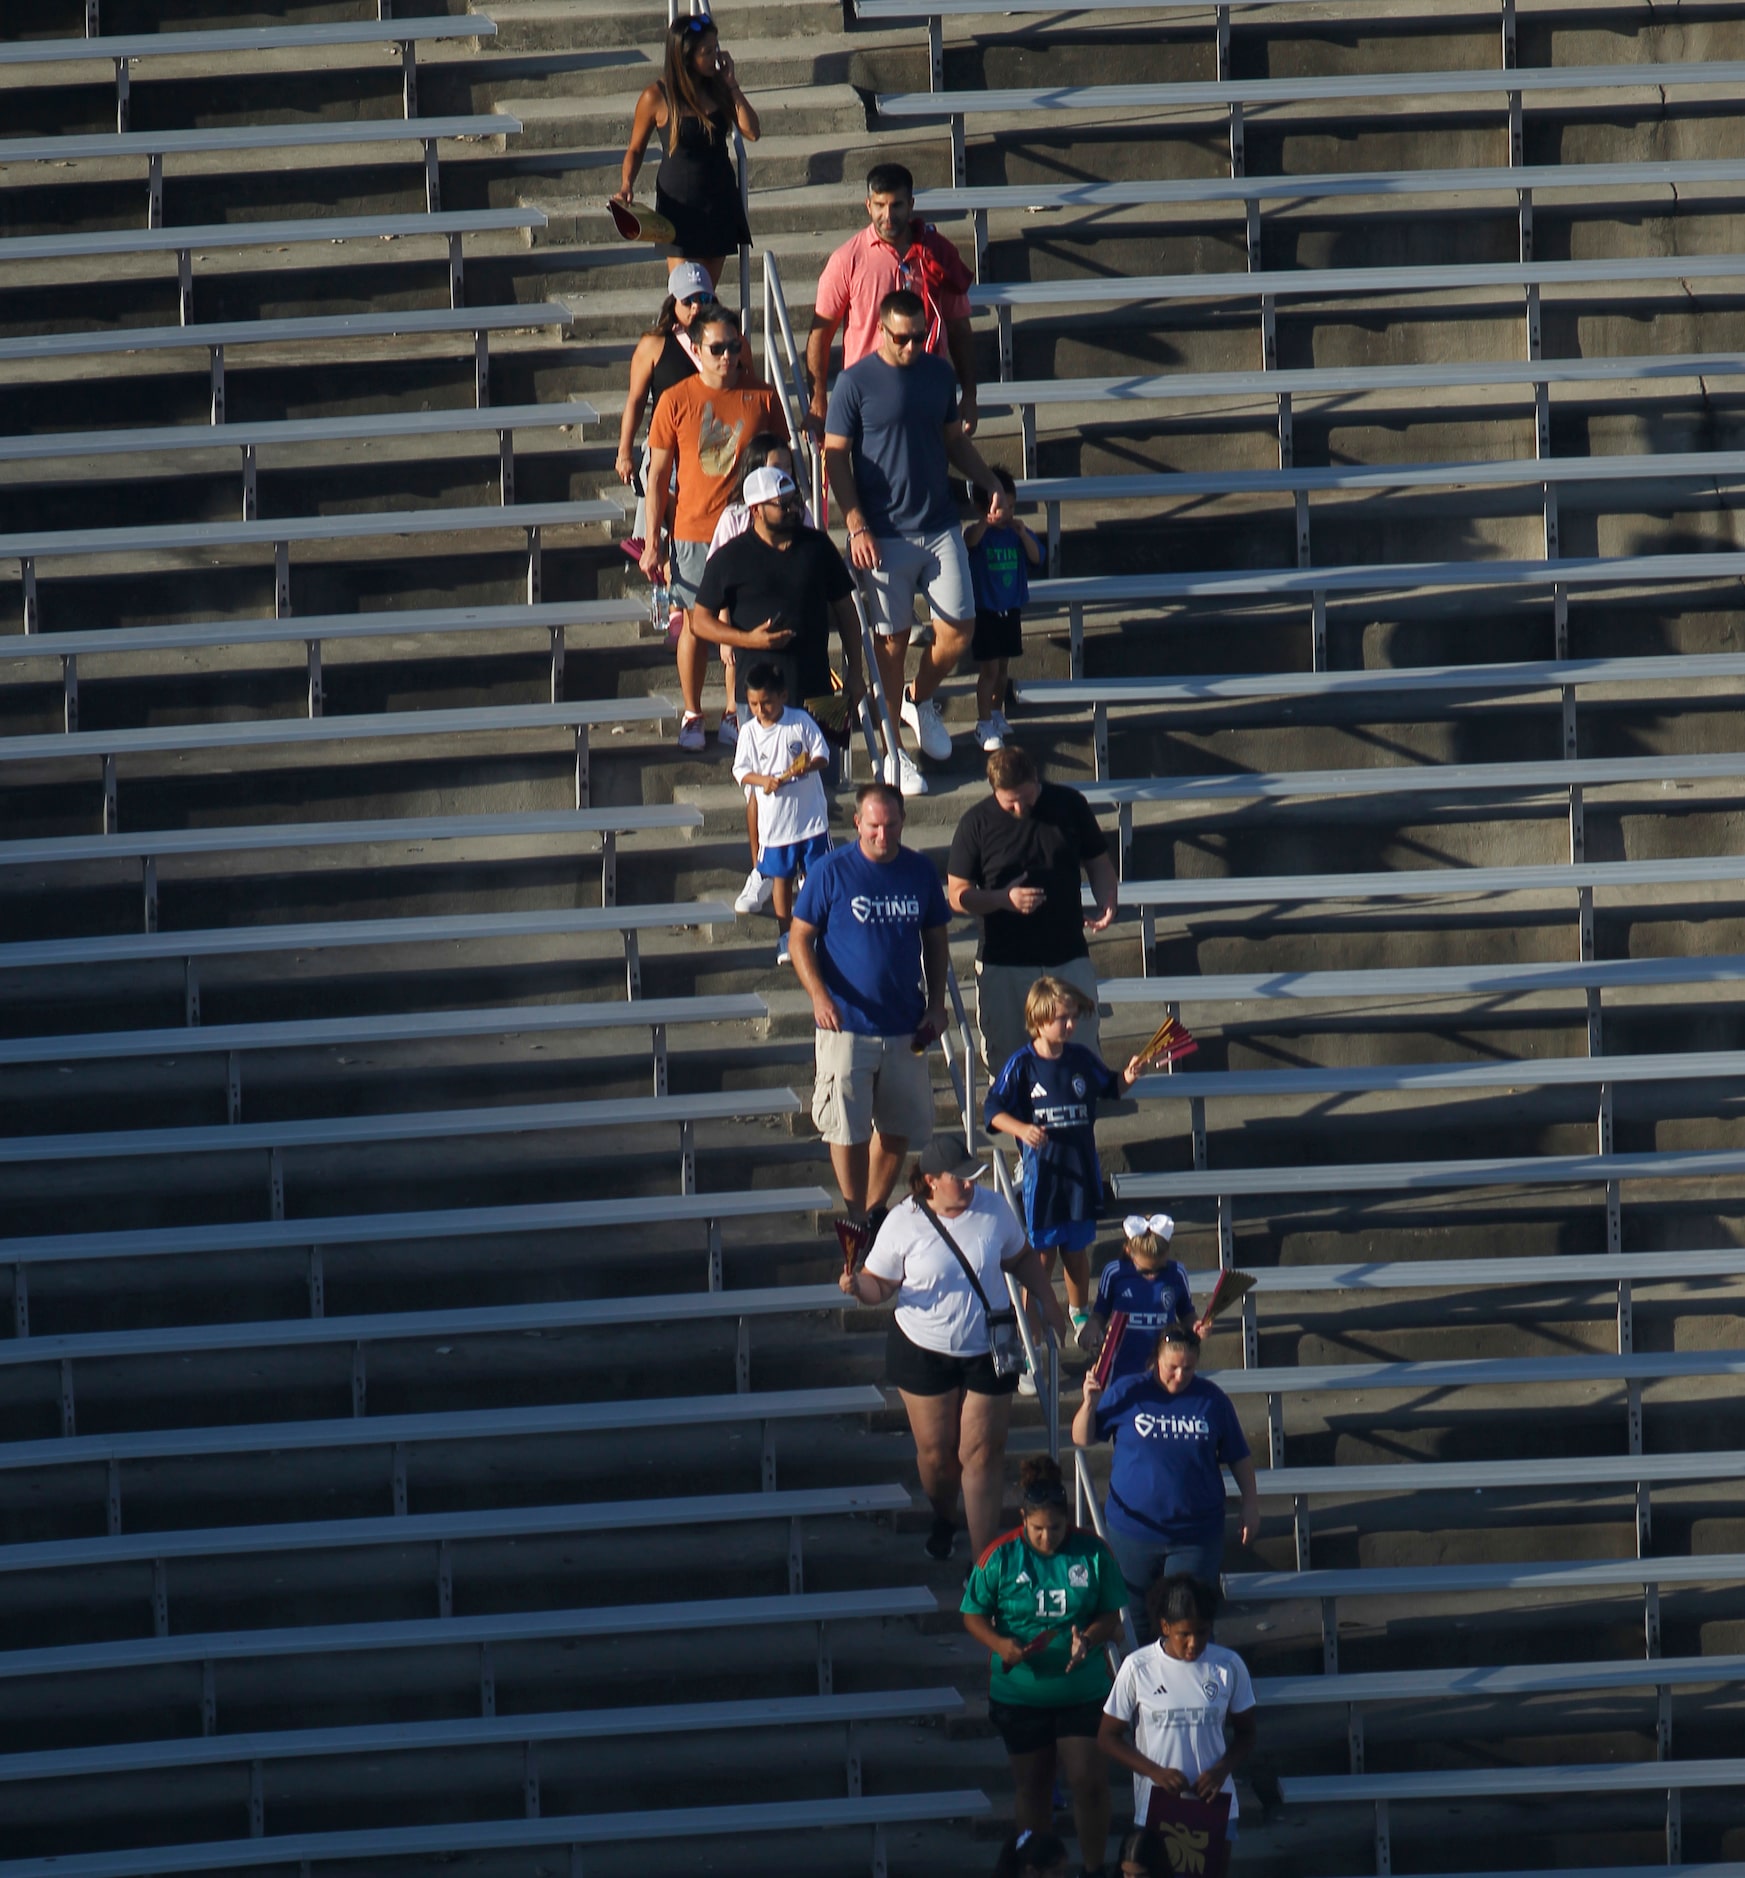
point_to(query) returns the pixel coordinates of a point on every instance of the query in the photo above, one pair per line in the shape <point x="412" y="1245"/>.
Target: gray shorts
<point x="937" y="565"/>
<point x="687" y="563"/>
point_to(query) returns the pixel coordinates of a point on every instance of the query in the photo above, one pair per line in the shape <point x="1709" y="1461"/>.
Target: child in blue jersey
<point x="1001" y="553"/>
<point x="1046" y="1098"/>
<point x="1150" y="1287"/>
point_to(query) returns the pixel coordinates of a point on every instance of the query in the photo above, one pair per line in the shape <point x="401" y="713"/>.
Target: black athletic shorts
<point x="1025" y="1729"/>
<point x="997" y="636"/>
<point x="925" y="1372"/>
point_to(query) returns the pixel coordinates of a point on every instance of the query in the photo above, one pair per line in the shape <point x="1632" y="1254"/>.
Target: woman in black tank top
<point x="659" y="362"/>
<point x="698" y="103"/>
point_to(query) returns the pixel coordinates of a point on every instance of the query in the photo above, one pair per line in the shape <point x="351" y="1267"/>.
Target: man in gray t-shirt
<point x="891" y="438"/>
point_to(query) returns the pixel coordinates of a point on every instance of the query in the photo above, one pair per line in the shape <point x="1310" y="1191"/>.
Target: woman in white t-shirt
<point x="1181" y="1713"/>
<point x="937" y="1353"/>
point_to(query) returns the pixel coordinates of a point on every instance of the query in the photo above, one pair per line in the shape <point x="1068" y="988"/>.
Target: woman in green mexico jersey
<point x="1046" y="1598"/>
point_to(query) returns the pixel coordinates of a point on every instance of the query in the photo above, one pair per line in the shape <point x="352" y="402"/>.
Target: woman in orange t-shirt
<point x="704" y="424"/>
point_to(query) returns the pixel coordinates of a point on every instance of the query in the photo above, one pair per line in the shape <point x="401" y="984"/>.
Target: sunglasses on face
<point x="902" y="339"/>
<point x="696" y="299"/>
<point x="722" y="348"/>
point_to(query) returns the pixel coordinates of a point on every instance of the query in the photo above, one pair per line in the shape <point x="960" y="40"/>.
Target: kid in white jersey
<point x="777" y="762"/>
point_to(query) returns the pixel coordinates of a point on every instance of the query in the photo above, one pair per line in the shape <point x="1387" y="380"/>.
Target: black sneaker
<point x="939" y="1540"/>
<point x="876" y="1218"/>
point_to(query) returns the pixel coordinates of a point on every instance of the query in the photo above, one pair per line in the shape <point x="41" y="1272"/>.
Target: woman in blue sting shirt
<point x="1173" y="1432"/>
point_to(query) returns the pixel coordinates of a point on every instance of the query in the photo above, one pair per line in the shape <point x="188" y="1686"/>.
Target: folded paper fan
<point x="1231" y="1286"/>
<point x="1111" y="1345"/>
<point x="1170" y="1042"/>
<point x="635" y="223"/>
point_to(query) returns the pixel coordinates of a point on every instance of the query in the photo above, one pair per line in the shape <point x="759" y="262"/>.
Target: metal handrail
<point x="1084" y="1493"/>
<point x="777" y="324"/>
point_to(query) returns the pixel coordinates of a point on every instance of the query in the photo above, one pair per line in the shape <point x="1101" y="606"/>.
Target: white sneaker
<point x="754" y="896"/>
<point x="1027" y="1383"/>
<point x="989" y="736"/>
<point x="782" y="957"/>
<point x="905" y="775"/>
<point x="691" y="734"/>
<point x="998" y="720"/>
<point x="929" y="728"/>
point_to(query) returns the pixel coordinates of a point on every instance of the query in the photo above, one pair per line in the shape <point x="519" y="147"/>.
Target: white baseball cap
<point x="768" y="484"/>
<point x="687" y="280"/>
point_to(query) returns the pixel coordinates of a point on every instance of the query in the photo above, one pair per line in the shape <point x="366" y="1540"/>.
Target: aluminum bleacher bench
<point x="532" y="518"/>
<point x="1429" y="1687"/>
<point x="1410" y="1583"/>
<point x="1671" y="1777"/>
<point x="1413" y="686"/>
<point x="320" y="1231"/>
<point x="877" y="1812"/>
<point x="525" y="1729"/>
<point x="441" y="1533"/>
<point x="448" y="225"/>
<point x="251" y="439"/>
<point x="277" y="1139"/>
<point x="396" y="1435"/>
<point x="1624" y="472"/>
<point x="311" y="631"/>
<point x="232" y="45"/>
<point x="359" y="133"/>
<point x="129" y="1655"/>
<point x="1073" y="595"/>
<point x="361" y="1332"/>
<point x="233" y="1040"/>
<point x="189" y="947"/>
<point x="107" y="746"/>
<point x="214" y="336"/>
<point x="153" y="845"/>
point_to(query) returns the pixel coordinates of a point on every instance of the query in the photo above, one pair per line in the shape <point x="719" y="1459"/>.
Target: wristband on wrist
<point x="862" y="530"/>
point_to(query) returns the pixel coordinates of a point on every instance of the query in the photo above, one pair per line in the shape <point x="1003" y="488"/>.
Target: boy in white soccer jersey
<point x="1181" y="1714"/>
<point x="777" y="762"/>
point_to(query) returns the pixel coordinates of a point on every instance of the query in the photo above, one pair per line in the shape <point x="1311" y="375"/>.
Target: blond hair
<point x="1050" y="998"/>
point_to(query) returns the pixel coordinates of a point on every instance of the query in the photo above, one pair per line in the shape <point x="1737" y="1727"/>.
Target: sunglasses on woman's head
<point x="721" y="348"/>
<point x="1049" y="1493"/>
<point x="699" y="23"/>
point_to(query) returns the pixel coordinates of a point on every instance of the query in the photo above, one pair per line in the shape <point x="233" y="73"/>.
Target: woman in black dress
<point x="697" y="103"/>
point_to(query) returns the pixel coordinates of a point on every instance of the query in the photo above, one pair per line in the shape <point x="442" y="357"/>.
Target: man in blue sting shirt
<point x="868" y="944"/>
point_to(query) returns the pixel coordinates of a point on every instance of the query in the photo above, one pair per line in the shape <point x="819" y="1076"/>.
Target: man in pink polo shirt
<point x="893" y="251"/>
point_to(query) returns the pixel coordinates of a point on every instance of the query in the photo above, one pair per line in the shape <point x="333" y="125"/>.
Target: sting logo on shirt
<point x="1213" y="1688"/>
<point x="1078" y="1086"/>
<point x="1181" y="1427"/>
<point x="872" y="911"/>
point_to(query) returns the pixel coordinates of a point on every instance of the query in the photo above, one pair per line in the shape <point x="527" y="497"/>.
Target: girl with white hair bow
<point x="1144" y="1289"/>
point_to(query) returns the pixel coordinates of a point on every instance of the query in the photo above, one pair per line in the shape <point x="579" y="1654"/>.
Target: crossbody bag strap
<point x="938" y="1226"/>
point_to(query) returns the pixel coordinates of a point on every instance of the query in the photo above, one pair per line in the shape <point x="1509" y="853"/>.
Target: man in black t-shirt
<point x="1015" y="865"/>
<point x="778" y="590"/>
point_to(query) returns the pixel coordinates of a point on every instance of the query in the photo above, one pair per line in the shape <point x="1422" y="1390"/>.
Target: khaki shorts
<point x="1000" y="994"/>
<point x="865" y="1083"/>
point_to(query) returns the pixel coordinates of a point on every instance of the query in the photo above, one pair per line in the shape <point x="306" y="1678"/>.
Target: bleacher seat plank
<point x="318" y="1033"/>
<point x="1556" y="1473"/>
<point x="498" y="1424"/>
<point x="223" y="139"/>
<point x="424" y="1125"/>
<point x="881" y="1810"/>
<point x="522" y="1727"/>
<point x="1497" y="1782"/>
<point x="412" y="623"/>
<point x="1533" y="1575"/>
<point x="447" y="928"/>
<point x="1478" y="1372"/>
<point x="276" y="837"/>
<point x="410" y="1529"/>
<point x="309" y="330"/>
<point x="1219" y="94"/>
<point x="1404" y="1685"/>
<point x="1526" y="676"/>
<point x="1554" y="1072"/>
<point x="1578" y="1270"/>
<point x="1529" y="978"/>
<point x="364" y="526"/>
<point x="224" y="237"/>
<point x="466" y="1222"/>
<point x="611" y="1620"/>
<point x="1431" y="1176"/>
<point x="234" y="43"/>
<point x="168" y="439"/>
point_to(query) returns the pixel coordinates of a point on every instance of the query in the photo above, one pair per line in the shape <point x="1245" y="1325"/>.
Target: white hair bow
<point x="1136" y="1225"/>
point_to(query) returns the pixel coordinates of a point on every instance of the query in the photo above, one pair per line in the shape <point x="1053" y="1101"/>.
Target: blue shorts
<point x="1071" y="1235"/>
<point x="786" y="863"/>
